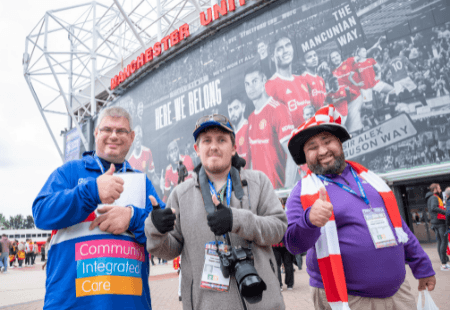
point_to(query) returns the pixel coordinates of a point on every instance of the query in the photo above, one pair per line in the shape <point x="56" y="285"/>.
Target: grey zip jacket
<point x="258" y="217"/>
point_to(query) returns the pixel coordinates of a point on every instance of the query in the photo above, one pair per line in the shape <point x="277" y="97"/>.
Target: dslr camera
<point x="239" y="262"/>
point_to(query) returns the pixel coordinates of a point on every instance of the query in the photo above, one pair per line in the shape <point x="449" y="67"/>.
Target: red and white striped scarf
<point x="327" y="247"/>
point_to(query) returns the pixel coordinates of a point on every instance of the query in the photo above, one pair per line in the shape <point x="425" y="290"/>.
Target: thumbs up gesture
<point x="109" y="186"/>
<point x="221" y="221"/>
<point x="163" y="219"/>
<point x="321" y="210"/>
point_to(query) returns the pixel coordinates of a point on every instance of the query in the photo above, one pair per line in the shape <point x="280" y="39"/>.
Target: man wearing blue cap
<point x="226" y="206"/>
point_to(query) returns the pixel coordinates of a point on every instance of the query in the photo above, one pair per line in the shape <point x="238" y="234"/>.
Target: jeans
<point x="299" y="260"/>
<point x="441" y="242"/>
<point x="4" y="260"/>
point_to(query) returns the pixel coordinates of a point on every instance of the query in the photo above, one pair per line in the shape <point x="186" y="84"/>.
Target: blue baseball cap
<point x="216" y="120"/>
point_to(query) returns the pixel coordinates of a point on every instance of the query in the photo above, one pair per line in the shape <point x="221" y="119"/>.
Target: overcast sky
<point x="27" y="153"/>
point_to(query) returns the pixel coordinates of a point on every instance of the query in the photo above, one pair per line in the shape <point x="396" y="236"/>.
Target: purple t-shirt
<point x="368" y="272"/>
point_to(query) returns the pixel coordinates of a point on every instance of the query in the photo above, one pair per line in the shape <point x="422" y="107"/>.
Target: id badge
<point x="212" y="277"/>
<point x="380" y="231"/>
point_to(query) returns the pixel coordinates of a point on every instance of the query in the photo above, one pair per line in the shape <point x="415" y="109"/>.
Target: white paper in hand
<point x="134" y="191"/>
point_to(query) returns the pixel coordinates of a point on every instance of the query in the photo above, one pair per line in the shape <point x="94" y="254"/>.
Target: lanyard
<point x="213" y="190"/>
<point x="99" y="163"/>
<point x="348" y="189"/>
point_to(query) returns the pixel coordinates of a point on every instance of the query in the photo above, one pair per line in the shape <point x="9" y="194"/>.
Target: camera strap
<point x="235" y="184"/>
<point x="205" y="189"/>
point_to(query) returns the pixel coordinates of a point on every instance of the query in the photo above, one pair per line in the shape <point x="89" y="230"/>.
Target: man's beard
<point x="216" y="168"/>
<point x="237" y="121"/>
<point x="335" y="168"/>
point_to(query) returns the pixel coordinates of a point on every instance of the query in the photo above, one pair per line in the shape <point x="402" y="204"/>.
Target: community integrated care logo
<point x="109" y="266"/>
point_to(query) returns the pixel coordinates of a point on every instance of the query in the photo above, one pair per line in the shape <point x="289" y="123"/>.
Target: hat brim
<point x="210" y="123"/>
<point x="297" y="142"/>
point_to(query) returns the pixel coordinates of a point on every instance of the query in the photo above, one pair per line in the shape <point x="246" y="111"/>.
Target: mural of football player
<point x="316" y="84"/>
<point x="141" y="158"/>
<point x="368" y="70"/>
<point x="308" y="112"/>
<point x="263" y="54"/>
<point x="398" y="70"/>
<point x="342" y="70"/>
<point x="236" y="110"/>
<point x="270" y="128"/>
<point x="171" y="174"/>
<point x="340" y="96"/>
<point x="283" y="86"/>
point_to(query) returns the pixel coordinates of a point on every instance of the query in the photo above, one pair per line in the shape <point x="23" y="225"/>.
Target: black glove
<point x="221" y="221"/>
<point x="163" y="219"/>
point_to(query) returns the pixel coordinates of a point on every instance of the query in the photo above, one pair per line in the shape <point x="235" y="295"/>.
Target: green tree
<point x="3" y="221"/>
<point x="29" y="222"/>
<point x="17" y="222"/>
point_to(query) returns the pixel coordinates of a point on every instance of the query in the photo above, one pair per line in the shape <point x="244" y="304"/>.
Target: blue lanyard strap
<point x="213" y="190"/>
<point x="99" y="163"/>
<point x="363" y="195"/>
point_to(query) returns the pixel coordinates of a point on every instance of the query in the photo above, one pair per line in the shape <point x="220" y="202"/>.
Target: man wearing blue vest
<point x="97" y="258"/>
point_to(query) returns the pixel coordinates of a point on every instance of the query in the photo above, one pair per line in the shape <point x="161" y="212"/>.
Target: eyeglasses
<point x="119" y="132"/>
<point x="223" y="120"/>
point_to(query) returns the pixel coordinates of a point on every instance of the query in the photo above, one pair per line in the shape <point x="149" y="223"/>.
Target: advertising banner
<point x="383" y="64"/>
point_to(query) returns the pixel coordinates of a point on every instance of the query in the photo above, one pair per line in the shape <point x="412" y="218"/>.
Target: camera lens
<point x="252" y="288"/>
<point x="250" y="284"/>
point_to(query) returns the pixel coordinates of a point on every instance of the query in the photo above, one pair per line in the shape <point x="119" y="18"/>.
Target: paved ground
<point x="23" y="289"/>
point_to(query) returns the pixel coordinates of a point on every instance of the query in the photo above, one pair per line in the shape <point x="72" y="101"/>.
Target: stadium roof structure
<point x="72" y="53"/>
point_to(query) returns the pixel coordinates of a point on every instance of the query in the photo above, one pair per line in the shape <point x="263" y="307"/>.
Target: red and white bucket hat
<point x="326" y="119"/>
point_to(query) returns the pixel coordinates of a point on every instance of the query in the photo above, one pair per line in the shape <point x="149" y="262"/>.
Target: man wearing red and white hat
<point x="348" y="219"/>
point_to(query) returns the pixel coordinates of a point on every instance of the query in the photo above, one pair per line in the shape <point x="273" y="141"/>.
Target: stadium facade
<point x="385" y="65"/>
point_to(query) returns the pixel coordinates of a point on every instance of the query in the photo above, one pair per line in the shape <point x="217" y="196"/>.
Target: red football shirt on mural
<point x="367" y="73"/>
<point x="143" y="160"/>
<point x="268" y="129"/>
<point x="340" y="99"/>
<point x="171" y="178"/>
<point x="316" y="87"/>
<point x="343" y="71"/>
<point x="293" y="92"/>
<point x="242" y="146"/>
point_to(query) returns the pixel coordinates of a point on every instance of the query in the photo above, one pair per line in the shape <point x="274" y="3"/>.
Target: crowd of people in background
<point x="19" y="254"/>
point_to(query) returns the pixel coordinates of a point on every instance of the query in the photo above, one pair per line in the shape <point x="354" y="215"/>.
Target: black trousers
<point x="282" y="255"/>
<point x="442" y="242"/>
<point x="28" y="258"/>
